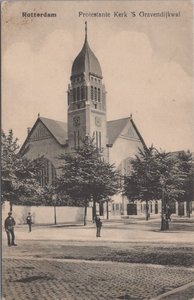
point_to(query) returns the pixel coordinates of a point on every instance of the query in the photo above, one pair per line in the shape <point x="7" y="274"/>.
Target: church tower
<point x="86" y="100"/>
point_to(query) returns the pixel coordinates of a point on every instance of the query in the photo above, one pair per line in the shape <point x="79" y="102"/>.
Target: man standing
<point x="98" y="226"/>
<point x="29" y="221"/>
<point x="9" y="229"/>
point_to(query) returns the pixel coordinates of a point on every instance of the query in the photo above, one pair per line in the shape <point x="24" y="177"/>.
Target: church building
<point x="86" y="116"/>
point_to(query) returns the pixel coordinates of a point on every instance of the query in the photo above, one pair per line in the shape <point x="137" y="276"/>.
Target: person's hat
<point x="9" y="213"/>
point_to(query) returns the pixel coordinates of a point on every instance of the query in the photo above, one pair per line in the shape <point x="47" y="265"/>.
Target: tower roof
<point x="86" y="61"/>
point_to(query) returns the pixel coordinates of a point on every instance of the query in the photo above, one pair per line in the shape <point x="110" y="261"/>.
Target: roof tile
<point x="57" y="128"/>
<point x="114" y="128"/>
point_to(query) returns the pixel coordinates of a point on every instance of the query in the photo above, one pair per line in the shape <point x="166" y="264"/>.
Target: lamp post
<point x="164" y="222"/>
<point x="54" y="199"/>
<point x="107" y="207"/>
<point x="162" y="212"/>
<point x="108" y="160"/>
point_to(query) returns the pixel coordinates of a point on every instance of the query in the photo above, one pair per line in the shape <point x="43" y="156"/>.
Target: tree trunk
<point x="188" y="208"/>
<point x="11" y="206"/>
<point x="55" y="215"/>
<point x="147" y="211"/>
<point x="164" y="218"/>
<point x="188" y="214"/>
<point x="164" y="224"/>
<point x="107" y="212"/>
<point x="94" y="211"/>
<point x="85" y="213"/>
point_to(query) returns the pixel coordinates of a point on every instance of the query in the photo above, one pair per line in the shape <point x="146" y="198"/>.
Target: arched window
<point x="100" y="141"/>
<point x="82" y="93"/>
<point x="74" y="94"/>
<point x="76" y="139"/>
<point x="97" y="139"/>
<point x="92" y="93"/>
<point x="47" y="172"/>
<point x="78" y="93"/>
<point x="99" y="95"/>
<point x="95" y="94"/>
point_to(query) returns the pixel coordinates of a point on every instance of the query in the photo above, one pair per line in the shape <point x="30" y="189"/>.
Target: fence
<point x="47" y="214"/>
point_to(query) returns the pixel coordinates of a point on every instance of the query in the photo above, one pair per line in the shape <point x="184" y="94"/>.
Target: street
<point x="132" y="260"/>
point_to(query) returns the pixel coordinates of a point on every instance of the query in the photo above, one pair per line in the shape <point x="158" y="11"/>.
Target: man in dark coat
<point x="29" y="221"/>
<point x="9" y="229"/>
<point x="168" y="213"/>
<point x="98" y="226"/>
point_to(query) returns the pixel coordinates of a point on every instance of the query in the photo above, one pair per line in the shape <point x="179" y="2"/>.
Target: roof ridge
<point x="52" y="120"/>
<point x="118" y="119"/>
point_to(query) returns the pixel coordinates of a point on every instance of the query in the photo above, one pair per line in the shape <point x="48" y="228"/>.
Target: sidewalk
<point x="185" y="292"/>
<point x="112" y="231"/>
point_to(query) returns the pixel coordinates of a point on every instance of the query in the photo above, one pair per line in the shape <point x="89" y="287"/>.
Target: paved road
<point x="53" y="279"/>
<point x="35" y="269"/>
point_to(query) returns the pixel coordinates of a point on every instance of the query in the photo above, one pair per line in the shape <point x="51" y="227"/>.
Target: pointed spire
<point x="86" y="61"/>
<point x="86" y="29"/>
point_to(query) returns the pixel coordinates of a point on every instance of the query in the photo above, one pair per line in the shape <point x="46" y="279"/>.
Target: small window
<point x="117" y="206"/>
<point x="86" y="93"/>
<point x="99" y="95"/>
<point x="53" y="175"/>
<point x="92" y="92"/>
<point x="78" y="139"/>
<point x="82" y="93"/>
<point x="99" y="139"/>
<point x="74" y="135"/>
<point x="78" y="93"/>
<point x="74" y="94"/>
<point x="95" y="94"/>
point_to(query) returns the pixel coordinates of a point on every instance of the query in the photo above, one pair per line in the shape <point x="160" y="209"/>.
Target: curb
<point x="179" y="289"/>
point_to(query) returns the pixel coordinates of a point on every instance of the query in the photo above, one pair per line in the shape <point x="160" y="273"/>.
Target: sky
<point x="147" y="64"/>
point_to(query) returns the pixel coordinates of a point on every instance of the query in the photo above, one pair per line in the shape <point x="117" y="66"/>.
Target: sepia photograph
<point x="97" y="150"/>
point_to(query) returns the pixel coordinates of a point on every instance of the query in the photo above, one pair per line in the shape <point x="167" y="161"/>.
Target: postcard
<point x="93" y="91"/>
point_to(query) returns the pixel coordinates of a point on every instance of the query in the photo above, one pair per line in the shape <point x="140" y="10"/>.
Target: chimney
<point x="28" y="130"/>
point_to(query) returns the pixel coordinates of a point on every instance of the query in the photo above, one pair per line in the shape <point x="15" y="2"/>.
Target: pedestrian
<point x="29" y="221"/>
<point x="98" y="226"/>
<point x="168" y="213"/>
<point x="9" y="229"/>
